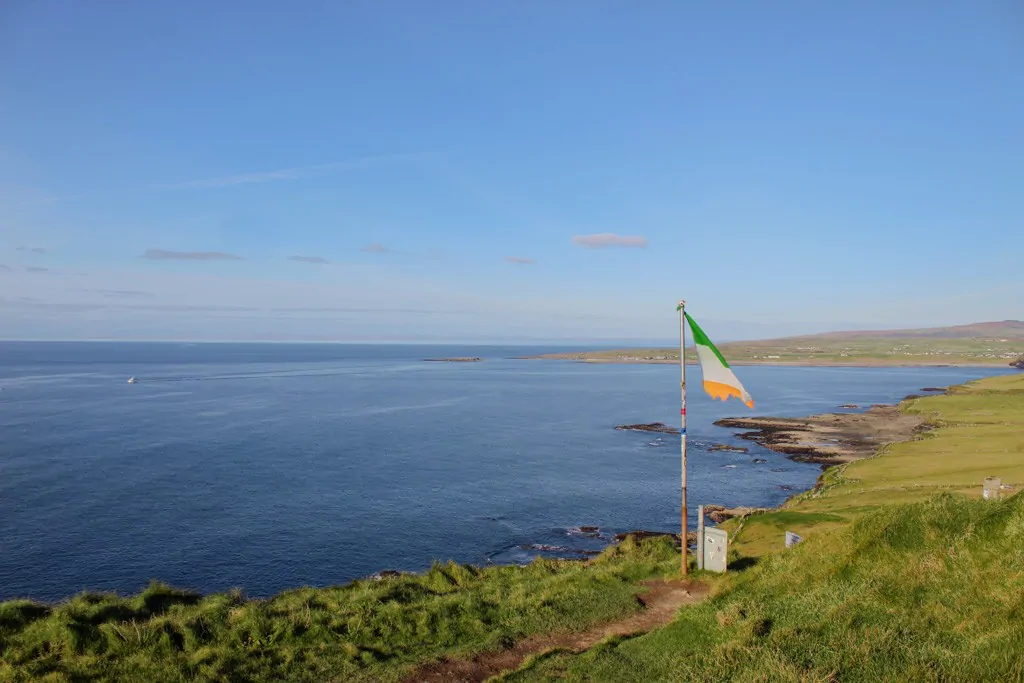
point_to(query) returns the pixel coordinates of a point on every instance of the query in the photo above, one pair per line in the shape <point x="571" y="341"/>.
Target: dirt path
<point x="660" y="605"/>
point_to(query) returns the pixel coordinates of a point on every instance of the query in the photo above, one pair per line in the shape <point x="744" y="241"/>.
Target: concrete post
<point x="700" y="537"/>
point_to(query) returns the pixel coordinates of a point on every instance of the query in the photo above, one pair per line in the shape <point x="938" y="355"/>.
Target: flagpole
<point x="682" y="425"/>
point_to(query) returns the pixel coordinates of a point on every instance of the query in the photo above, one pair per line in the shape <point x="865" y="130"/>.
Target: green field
<point x="904" y="575"/>
<point x="980" y="433"/>
<point x="995" y="343"/>
<point x="823" y="351"/>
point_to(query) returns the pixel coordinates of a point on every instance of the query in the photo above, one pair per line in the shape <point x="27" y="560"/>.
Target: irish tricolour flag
<point x="719" y="380"/>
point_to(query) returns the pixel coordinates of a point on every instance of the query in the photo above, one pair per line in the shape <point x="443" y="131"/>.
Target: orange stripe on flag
<point x="724" y="391"/>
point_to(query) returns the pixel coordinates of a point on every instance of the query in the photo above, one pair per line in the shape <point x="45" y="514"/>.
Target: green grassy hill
<point x="366" y="631"/>
<point x="904" y="575"/>
<point x="927" y="591"/>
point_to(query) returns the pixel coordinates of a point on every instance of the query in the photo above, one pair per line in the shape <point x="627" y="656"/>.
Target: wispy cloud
<point x="316" y="260"/>
<point x="240" y="179"/>
<point x="168" y="255"/>
<point x="284" y="173"/>
<point x="609" y="239"/>
<point x="520" y="260"/>
<point x="34" y="250"/>
<point x="376" y="249"/>
<point x="5" y="268"/>
<point x="36" y="269"/>
<point x="124" y="294"/>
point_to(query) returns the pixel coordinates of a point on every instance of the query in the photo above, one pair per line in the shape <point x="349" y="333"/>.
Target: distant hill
<point x="988" y="344"/>
<point x="1006" y="329"/>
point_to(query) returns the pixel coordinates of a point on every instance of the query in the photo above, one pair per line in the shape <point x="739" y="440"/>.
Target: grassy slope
<point x="368" y="630"/>
<point x="900" y="577"/>
<point x="980" y="433"/>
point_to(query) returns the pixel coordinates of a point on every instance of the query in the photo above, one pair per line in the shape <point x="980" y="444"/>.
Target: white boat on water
<point x="132" y="380"/>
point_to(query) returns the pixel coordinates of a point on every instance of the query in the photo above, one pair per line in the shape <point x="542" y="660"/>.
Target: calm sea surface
<point x="269" y="466"/>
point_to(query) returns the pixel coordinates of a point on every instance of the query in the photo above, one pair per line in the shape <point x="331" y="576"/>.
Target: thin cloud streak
<point x="34" y="250"/>
<point x="518" y="260"/>
<point x="4" y="268"/>
<point x="609" y="239"/>
<point x="168" y="255"/>
<point x="124" y="294"/>
<point x="261" y="312"/>
<point x="36" y="269"/>
<point x="376" y="249"/>
<point x="316" y="260"/>
<point x="282" y="174"/>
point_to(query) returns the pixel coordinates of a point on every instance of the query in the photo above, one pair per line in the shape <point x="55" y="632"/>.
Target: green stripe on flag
<point x="702" y="339"/>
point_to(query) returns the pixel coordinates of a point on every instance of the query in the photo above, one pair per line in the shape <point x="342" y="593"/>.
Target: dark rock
<point x="659" y="427"/>
<point x="829" y="439"/>
<point x="385" y="574"/>
<point x="1019" y="363"/>
<point x="933" y="389"/>
<point x="759" y="461"/>
<point x="640" y="534"/>
<point x="849" y="405"/>
<point x="729" y="449"/>
<point x="784" y="487"/>
<point x="590" y="529"/>
<point x="467" y="359"/>
<point x="720" y="513"/>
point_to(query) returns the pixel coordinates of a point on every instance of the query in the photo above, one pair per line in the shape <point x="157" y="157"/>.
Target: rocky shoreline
<point x="831" y="438"/>
<point x="827" y="439"/>
<point x="656" y="427"/>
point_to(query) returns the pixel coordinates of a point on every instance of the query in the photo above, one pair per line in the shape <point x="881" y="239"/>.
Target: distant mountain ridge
<point x="1005" y="329"/>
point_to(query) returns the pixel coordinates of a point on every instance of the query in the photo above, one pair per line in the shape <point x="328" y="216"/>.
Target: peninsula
<point x="978" y="344"/>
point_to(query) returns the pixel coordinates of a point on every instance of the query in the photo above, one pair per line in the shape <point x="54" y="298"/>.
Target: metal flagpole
<point x="682" y="423"/>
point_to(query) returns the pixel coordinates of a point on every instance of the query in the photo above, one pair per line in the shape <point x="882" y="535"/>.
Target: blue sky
<point x="453" y="170"/>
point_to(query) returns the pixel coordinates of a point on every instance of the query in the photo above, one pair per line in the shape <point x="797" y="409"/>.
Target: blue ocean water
<point x="270" y="466"/>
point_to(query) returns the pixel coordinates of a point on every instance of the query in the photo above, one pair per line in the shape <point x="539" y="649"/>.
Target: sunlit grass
<point x="902" y="577"/>
<point x="924" y="591"/>
<point x="368" y="630"/>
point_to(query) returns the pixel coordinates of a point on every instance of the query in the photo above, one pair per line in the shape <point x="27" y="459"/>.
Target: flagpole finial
<point x="681" y="305"/>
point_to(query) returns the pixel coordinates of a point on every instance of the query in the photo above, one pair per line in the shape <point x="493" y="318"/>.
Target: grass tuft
<point x="367" y="630"/>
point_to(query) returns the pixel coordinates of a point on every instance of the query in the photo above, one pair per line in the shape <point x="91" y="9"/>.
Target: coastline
<point x="773" y="363"/>
<point x="826" y="439"/>
<point x="831" y="439"/>
<point x="453" y="617"/>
